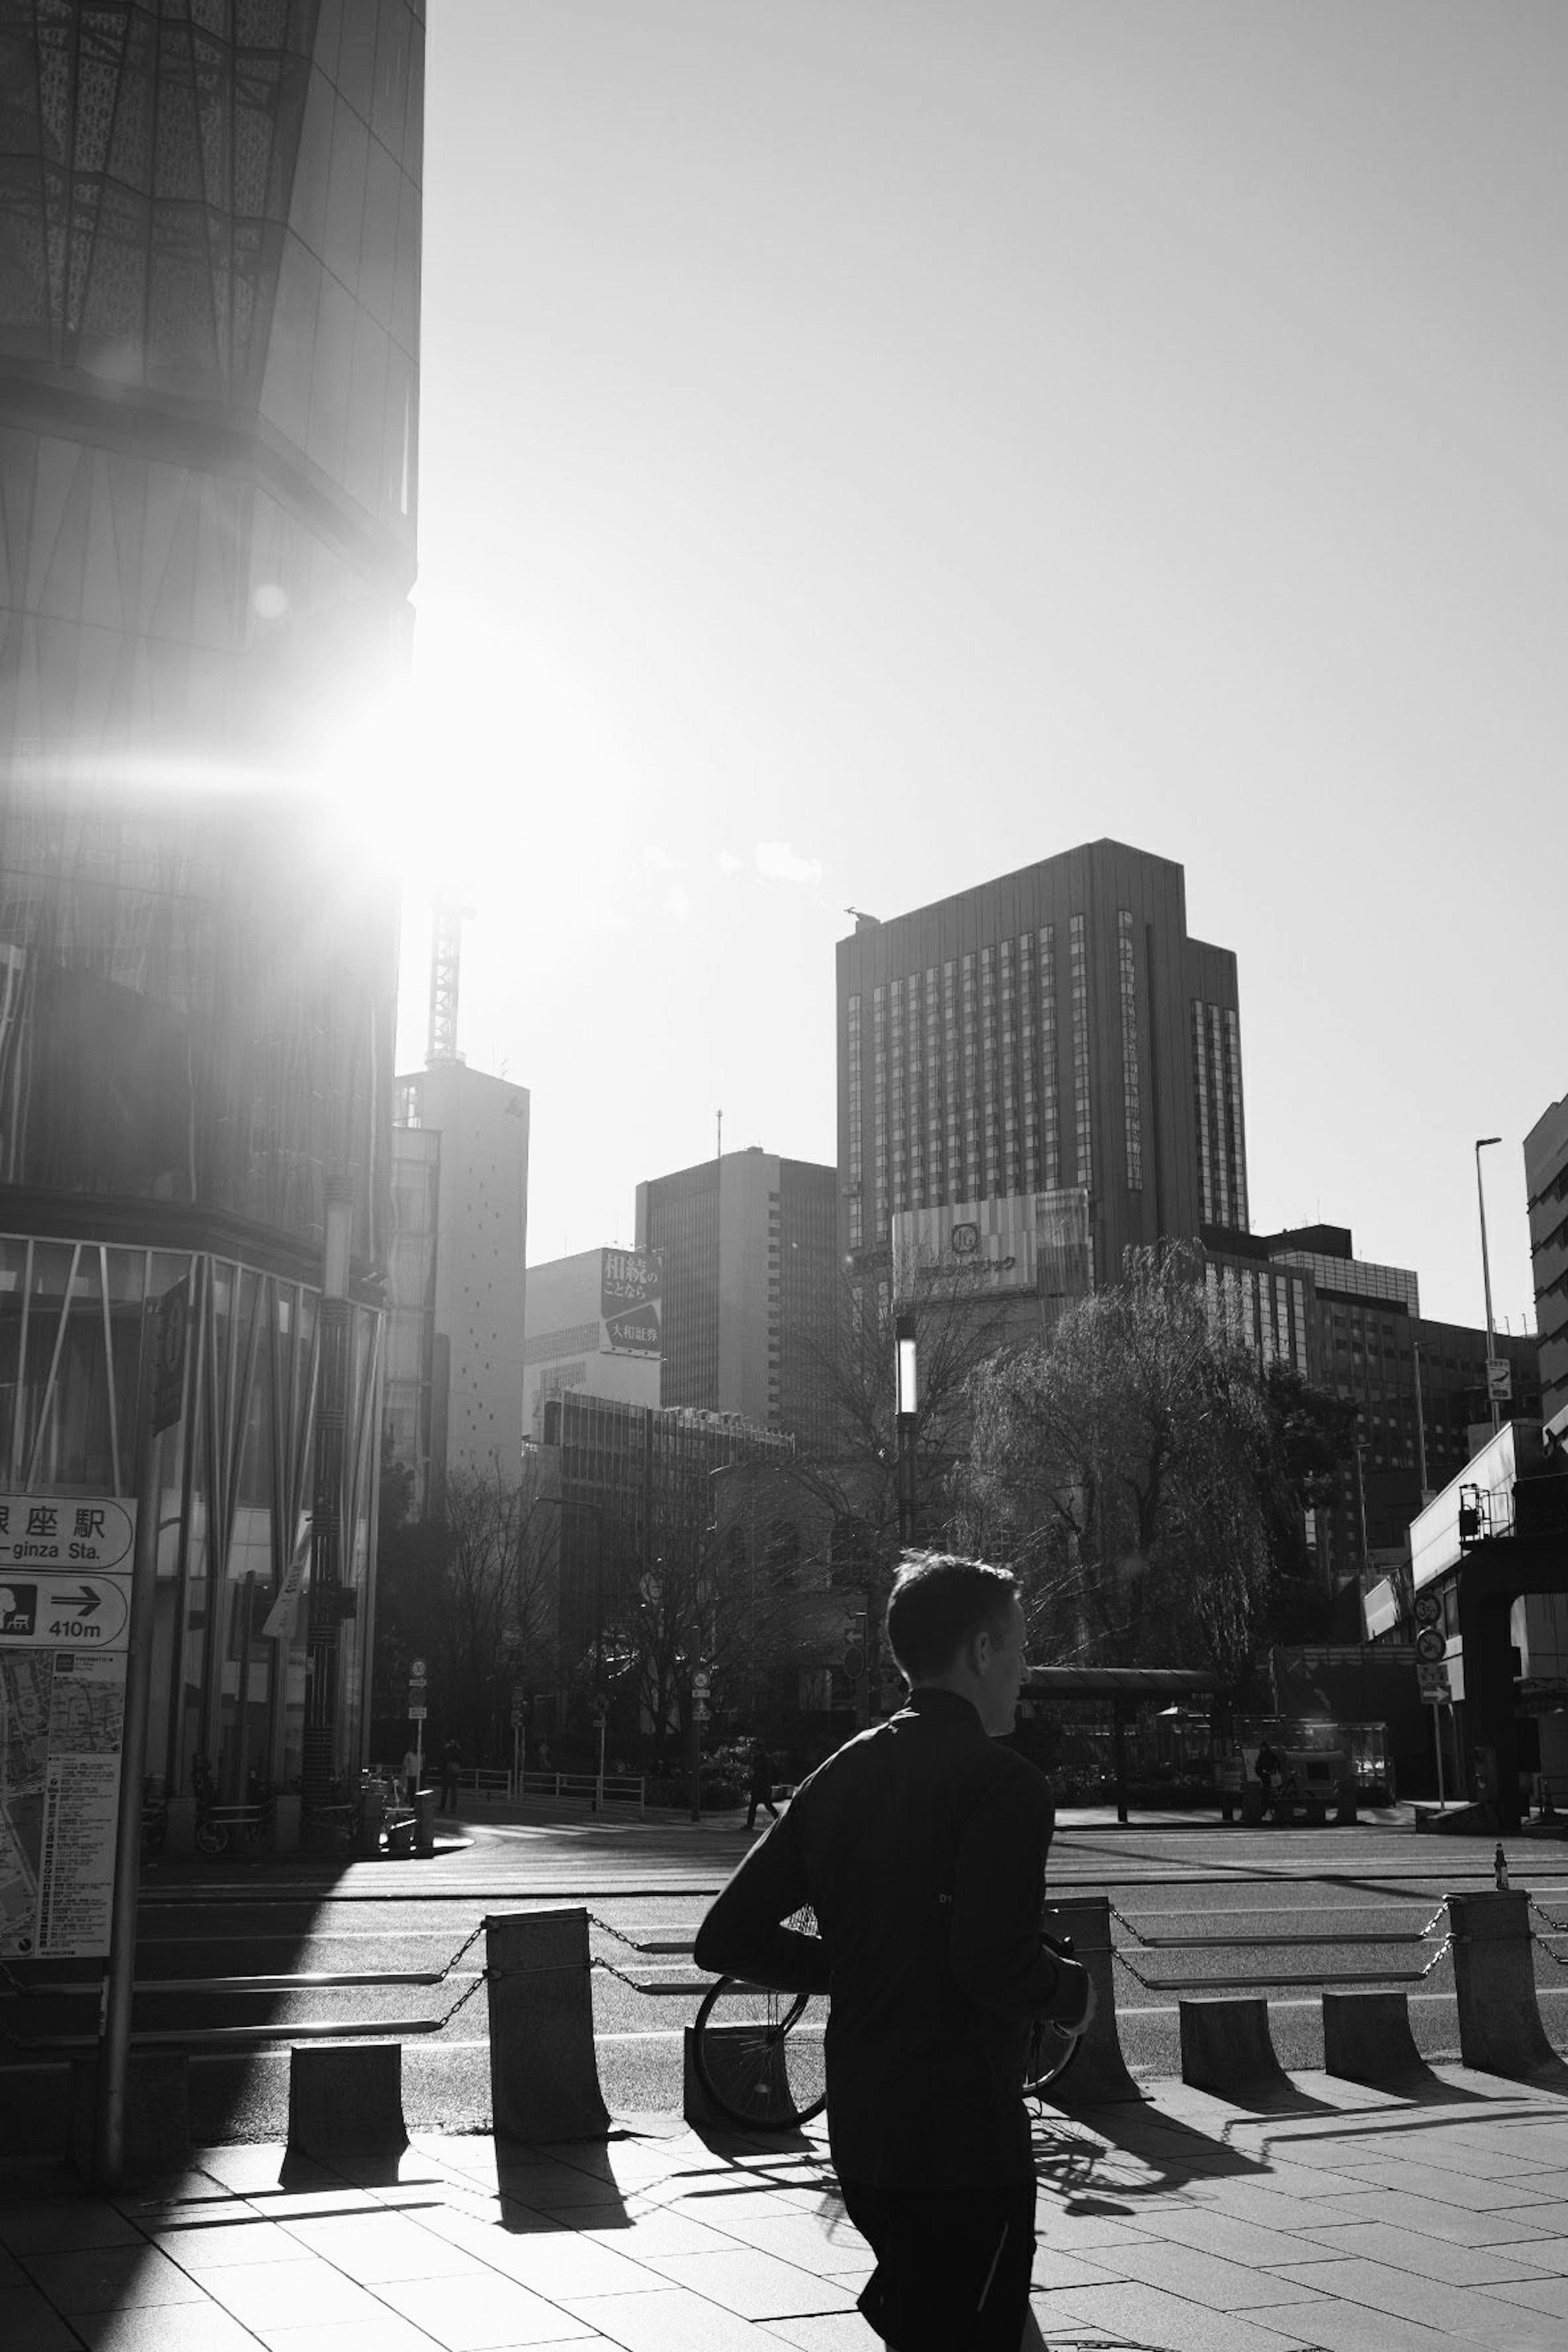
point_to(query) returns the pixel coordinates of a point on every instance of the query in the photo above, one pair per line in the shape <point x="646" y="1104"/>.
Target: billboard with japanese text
<point x="631" y="1302"/>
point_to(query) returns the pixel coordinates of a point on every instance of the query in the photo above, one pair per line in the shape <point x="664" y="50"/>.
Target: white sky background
<point x="871" y="444"/>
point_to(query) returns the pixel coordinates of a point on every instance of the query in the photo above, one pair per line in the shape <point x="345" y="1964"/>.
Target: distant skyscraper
<point x="455" y="1277"/>
<point x="1053" y="1032"/>
<point x="750" y="1276"/>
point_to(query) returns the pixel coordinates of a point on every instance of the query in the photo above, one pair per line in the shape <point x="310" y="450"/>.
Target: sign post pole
<point x="159" y="1399"/>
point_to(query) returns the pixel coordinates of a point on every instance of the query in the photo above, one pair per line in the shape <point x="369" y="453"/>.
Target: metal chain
<point x="598" y="1961"/>
<point x="466" y="1946"/>
<point x="1403" y="1936"/>
<point x="1552" y="1928"/>
<point x="481" y="1977"/>
<point x="1153" y="1985"/>
<point x="620" y="1936"/>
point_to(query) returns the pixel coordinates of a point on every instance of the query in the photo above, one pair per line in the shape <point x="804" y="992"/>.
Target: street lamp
<point x="1481" y="1144"/>
<point x="906" y="1388"/>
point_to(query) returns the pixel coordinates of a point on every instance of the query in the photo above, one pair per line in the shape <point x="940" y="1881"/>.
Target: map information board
<point x="62" y="1722"/>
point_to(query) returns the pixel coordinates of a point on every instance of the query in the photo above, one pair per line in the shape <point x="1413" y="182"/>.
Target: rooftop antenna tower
<point x="447" y="913"/>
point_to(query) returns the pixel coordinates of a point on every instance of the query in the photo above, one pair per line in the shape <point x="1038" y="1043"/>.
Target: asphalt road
<point x="1196" y="1908"/>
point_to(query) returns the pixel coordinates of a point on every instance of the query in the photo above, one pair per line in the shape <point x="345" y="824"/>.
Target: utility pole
<point x="1481" y="1143"/>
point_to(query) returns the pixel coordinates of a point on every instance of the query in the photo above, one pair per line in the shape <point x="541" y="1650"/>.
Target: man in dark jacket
<point x="922" y="1848"/>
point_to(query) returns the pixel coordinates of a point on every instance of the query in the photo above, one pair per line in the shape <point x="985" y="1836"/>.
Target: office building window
<point x="1050" y="1101"/>
<point x="1081" y="1113"/>
<point x="1201" y="1111"/>
<point x="990" y="1096"/>
<point x="1131" y="1112"/>
<point x="1235" y="1127"/>
<point x="857" y="1154"/>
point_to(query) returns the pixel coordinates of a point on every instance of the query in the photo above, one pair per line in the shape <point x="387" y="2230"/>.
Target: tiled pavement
<point x="1341" y="2219"/>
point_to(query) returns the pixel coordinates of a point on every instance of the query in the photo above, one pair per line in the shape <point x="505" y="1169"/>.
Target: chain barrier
<point x="1552" y="1929"/>
<point x="1148" y="1944"/>
<point x="599" y="1961"/>
<point x="466" y="1946"/>
<point x="482" y="1976"/>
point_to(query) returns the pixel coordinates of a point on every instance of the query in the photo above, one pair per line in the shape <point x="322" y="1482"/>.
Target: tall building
<point x="594" y="1322"/>
<point x="457" y="1279"/>
<point x="1419" y="1388"/>
<point x="750" y="1275"/>
<point x="1546" y="1188"/>
<point x="1052" y="1032"/>
<point x="209" y="274"/>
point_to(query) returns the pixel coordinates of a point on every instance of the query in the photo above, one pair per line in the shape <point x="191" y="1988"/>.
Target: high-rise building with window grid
<point x="1056" y="1031"/>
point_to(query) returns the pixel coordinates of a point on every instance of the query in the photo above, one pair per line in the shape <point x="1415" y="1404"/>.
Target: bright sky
<point x="870" y="444"/>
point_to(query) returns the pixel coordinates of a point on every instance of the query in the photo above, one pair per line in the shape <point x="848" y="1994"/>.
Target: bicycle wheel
<point x="759" y="2055"/>
<point x="211" y="1837"/>
<point x="1050" y="2055"/>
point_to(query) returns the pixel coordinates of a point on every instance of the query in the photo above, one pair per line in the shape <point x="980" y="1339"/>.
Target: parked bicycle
<point x="760" y="2054"/>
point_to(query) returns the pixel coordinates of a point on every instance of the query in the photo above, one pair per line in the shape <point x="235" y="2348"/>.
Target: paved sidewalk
<point x="1341" y="2219"/>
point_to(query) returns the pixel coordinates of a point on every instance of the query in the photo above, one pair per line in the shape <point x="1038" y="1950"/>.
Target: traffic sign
<point x="1500" y="1381"/>
<point x="1432" y="1683"/>
<point x="1427" y="1608"/>
<point x="415" y="1670"/>
<point x="64" y="1613"/>
<point x="416" y="1714"/>
<point x="853" y="1663"/>
<point x="1431" y="1646"/>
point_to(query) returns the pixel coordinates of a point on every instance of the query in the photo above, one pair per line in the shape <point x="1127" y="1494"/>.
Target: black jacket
<point x="922" y="1848"/>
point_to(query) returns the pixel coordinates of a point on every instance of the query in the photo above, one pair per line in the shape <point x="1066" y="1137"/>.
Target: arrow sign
<point x="92" y="1615"/>
<point x="77" y="1604"/>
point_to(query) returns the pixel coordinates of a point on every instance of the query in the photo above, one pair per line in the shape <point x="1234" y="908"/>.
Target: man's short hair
<point x="939" y="1603"/>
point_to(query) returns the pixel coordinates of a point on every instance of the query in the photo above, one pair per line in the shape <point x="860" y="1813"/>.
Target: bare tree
<point x="1125" y="1470"/>
<point x="470" y="1594"/>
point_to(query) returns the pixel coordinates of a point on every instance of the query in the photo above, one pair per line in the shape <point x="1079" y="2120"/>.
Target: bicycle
<point x="759" y="2053"/>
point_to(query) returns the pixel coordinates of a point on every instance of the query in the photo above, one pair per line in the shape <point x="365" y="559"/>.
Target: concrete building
<point x="594" y="1322"/>
<point x="209" y="294"/>
<point x="1419" y="1388"/>
<point x="1053" y="1034"/>
<point x="457" y="1277"/>
<point x="622" y="1493"/>
<point x="1546" y="1190"/>
<point x="751" y="1279"/>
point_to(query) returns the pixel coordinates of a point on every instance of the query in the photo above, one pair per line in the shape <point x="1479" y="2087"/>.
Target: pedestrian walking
<point x="762" y="1784"/>
<point x="451" y="1764"/>
<point x="410" y="1774"/>
<point x="922" y="1848"/>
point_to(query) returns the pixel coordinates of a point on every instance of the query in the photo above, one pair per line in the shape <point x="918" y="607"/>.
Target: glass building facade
<point x="210" y="292"/>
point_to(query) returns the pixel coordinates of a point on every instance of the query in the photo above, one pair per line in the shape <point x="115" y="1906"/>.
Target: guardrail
<point x="620" y="1788"/>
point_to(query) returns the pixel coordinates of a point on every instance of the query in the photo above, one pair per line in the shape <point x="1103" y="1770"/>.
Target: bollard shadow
<point x="1418" y="2086"/>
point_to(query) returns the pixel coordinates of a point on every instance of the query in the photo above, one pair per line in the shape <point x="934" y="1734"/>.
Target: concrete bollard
<point x="545" y="2072"/>
<point x="1501" y="2031"/>
<point x="157" y="2112"/>
<point x="425" y="1824"/>
<point x="1226" y="2048"/>
<point x="286" y="1824"/>
<point x="346" y="2099"/>
<point x="1367" y="2039"/>
<point x="1098" y="2074"/>
<point x="371" y="1812"/>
